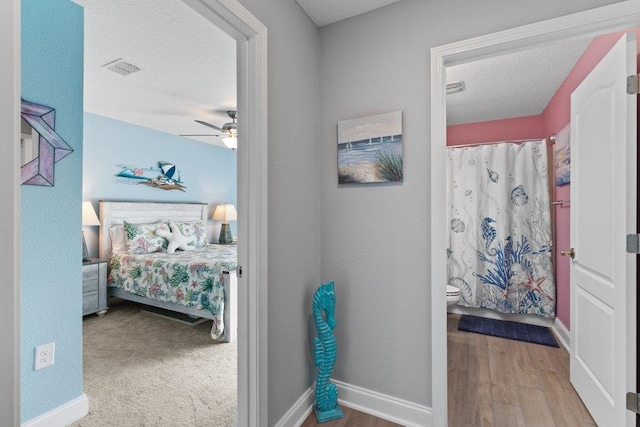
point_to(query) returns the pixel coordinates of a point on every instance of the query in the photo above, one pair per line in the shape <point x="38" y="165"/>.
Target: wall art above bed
<point x="370" y="149"/>
<point x="165" y="176"/>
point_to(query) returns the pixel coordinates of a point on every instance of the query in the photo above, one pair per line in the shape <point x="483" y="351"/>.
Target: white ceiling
<point x="514" y="85"/>
<point x="325" y="12"/>
<point x="188" y="66"/>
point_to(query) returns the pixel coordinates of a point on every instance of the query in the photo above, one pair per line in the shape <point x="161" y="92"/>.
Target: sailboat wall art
<point x="165" y="176"/>
<point x="370" y="149"/>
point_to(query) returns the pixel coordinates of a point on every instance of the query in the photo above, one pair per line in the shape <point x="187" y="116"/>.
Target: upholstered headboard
<point x="114" y="213"/>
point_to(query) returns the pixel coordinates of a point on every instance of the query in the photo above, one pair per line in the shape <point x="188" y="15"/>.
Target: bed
<point x="199" y="282"/>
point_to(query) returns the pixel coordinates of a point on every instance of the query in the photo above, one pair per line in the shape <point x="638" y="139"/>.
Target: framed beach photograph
<point x="370" y="149"/>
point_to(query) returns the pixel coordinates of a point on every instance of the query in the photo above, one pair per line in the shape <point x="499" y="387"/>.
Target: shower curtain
<point x="499" y="221"/>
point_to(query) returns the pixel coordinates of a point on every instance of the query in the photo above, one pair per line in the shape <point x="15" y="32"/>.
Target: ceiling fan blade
<point x="209" y="125"/>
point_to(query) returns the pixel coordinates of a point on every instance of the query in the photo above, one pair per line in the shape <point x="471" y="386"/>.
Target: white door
<point x="603" y="212"/>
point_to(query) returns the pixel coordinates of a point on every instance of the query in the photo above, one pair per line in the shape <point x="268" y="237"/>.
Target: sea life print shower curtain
<point x="499" y="222"/>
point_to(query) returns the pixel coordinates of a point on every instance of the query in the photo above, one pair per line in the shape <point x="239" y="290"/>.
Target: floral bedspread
<point x="191" y="278"/>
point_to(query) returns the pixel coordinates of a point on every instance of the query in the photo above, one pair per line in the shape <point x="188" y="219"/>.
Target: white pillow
<point x="118" y="242"/>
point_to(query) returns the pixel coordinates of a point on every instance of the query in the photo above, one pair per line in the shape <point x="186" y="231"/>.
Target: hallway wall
<point x="294" y="195"/>
<point x="375" y="237"/>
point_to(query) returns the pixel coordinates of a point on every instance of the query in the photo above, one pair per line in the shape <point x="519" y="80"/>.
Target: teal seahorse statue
<point x="324" y="352"/>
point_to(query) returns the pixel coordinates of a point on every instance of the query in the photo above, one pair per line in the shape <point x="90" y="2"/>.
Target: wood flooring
<point x="497" y="382"/>
<point x="352" y="418"/>
<point x="500" y="382"/>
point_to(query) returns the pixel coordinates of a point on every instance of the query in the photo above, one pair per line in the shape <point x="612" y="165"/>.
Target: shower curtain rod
<point x="550" y="140"/>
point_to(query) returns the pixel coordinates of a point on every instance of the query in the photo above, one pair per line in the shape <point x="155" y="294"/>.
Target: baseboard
<point x="62" y="415"/>
<point x="377" y="404"/>
<point x="299" y="412"/>
<point x="562" y="333"/>
<point x="383" y="406"/>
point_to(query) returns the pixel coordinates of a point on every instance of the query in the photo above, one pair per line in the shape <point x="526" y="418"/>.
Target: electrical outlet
<point x="44" y="355"/>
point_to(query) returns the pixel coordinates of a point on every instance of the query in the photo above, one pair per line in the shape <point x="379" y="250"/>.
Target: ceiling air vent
<point x="454" y="87"/>
<point x="121" y="67"/>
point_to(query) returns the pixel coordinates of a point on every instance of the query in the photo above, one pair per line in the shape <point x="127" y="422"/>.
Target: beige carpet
<point x="142" y="370"/>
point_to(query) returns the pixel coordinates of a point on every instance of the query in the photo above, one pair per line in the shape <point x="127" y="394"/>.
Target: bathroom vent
<point x="455" y="87"/>
<point x="121" y="67"/>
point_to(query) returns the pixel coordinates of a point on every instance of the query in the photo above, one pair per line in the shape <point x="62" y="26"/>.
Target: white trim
<point x="384" y="406"/>
<point x="368" y="401"/>
<point x="251" y="37"/>
<point x="562" y="333"/>
<point x="63" y="415"/>
<point x="592" y="22"/>
<point x="10" y="212"/>
<point x="300" y="410"/>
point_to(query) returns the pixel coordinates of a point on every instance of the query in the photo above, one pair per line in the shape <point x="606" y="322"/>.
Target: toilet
<point x="453" y="295"/>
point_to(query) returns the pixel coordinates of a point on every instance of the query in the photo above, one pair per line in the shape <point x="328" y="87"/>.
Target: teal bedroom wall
<point x="51" y="303"/>
<point x="208" y="172"/>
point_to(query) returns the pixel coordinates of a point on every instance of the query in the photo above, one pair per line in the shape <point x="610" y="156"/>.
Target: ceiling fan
<point x="229" y="131"/>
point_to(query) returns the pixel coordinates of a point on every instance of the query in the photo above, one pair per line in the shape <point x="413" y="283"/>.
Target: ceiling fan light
<point x="231" y="142"/>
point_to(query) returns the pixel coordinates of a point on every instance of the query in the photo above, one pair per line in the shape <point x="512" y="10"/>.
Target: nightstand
<point x="94" y="287"/>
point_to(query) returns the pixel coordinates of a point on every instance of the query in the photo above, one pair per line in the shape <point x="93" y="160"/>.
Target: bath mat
<point x="505" y="329"/>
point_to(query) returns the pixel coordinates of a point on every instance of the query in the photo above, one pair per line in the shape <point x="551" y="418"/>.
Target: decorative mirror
<point x="40" y="146"/>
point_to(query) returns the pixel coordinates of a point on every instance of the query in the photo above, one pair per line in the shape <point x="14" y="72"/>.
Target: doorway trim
<point x="10" y="211"/>
<point x="618" y="16"/>
<point x="251" y="37"/>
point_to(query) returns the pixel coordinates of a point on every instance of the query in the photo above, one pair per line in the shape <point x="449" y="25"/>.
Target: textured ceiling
<point x="325" y="12"/>
<point x="188" y="66"/>
<point x="514" y="85"/>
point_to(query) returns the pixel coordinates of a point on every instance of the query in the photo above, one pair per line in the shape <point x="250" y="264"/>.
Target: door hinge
<point x="239" y="271"/>
<point x="633" y="84"/>
<point x="633" y="243"/>
<point x="632" y="402"/>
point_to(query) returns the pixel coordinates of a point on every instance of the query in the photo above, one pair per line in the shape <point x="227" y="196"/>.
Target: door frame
<point x="606" y="19"/>
<point x="251" y="36"/>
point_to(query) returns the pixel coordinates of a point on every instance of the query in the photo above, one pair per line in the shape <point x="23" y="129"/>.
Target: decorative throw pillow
<point x="176" y="239"/>
<point x="194" y="228"/>
<point x="142" y="238"/>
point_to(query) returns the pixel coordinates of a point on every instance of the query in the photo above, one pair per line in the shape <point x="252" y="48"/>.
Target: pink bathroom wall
<point x="554" y="117"/>
<point x="495" y="130"/>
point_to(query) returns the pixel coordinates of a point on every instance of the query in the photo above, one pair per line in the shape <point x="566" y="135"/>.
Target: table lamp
<point x="225" y="212"/>
<point x="89" y="218"/>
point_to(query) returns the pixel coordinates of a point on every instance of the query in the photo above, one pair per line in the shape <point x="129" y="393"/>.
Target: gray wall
<point x="375" y="238"/>
<point x="294" y="194"/>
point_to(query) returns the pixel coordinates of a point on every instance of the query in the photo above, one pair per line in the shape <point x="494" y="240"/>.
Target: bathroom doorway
<point x="489" y="46"/>
<point x="494" y="133"/>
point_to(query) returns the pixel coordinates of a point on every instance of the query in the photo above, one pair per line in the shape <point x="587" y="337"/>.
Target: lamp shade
<point x="225" y="212"/>
<point x="89" y="216"/>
